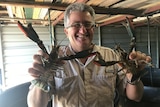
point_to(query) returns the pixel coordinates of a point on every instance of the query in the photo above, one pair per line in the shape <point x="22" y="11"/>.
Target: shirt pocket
<point x="106" y="77"/>
<point x="106" y="72"/>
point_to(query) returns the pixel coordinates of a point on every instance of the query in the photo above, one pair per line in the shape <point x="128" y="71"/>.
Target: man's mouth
<point x="82" y="36"/>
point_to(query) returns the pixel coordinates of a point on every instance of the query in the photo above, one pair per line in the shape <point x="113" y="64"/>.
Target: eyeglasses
<point x="79" y="25"/>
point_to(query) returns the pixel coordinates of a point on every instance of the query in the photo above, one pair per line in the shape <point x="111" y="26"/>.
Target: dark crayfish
<point x="130" y="65"/>
<point x="51" y="64"/>
<point x="125" y="62"/>
<point x="54" y="63"/>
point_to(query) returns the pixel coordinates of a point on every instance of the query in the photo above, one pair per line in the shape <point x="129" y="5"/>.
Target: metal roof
<point x="108" y="12"/>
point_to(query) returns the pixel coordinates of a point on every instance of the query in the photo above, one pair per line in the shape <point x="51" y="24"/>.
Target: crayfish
<point x="130" y="65"/>
<point x="54" y="63"/>
<point x="51" y="64"/>
<point x="124" y="61"/>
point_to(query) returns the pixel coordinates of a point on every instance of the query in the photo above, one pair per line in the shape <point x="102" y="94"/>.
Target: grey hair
<point x="77" y="7"/>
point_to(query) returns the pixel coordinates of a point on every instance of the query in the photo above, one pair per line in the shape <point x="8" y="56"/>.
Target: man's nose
<point x="82" y="29"/>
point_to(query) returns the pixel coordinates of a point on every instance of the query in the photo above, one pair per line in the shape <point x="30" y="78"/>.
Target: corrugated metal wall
<point x="60" y="35"/>
<point x="146" y="40"/>
<point x="1" y="62"/>
<point x="18" y="51"/>
<point x="112" y="36"/>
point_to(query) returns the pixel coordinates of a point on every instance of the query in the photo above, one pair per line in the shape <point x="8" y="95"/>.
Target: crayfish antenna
<point x="30" y="33"/>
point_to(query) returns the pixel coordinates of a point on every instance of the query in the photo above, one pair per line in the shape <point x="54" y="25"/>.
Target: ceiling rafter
<point x="62" y="7"/>
<point x="54" y="6"/>
<point x="117" y="18"/>
<point x="150" y="9"/>
<point x="107" y="11"/>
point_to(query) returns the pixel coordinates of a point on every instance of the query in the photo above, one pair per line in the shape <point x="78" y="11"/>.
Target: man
<point x="80" y="82"/>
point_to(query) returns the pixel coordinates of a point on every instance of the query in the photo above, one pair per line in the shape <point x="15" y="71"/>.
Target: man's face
<point x="80" y="30"/>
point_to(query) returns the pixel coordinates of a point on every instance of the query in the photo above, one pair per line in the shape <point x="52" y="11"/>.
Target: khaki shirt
<point x="86" y="85"/>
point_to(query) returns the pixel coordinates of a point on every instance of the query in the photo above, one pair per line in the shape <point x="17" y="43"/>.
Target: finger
<point x="148" y="59"/>
<point x="34" y="72"/>
<point x="38" y="67"/>
<point x="137" y="55"/>
<point x="37" y="59"/>
<point x="43" y="54"/>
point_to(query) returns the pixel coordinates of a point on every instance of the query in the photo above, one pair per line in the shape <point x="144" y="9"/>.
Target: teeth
<point x="80" y="36"/>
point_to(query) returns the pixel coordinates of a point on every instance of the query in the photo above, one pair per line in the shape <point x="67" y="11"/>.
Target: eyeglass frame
<point x="79" y="25"/>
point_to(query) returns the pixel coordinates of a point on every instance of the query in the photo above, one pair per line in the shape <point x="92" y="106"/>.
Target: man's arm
<point x="134" y="91"/>
<point x="37" y="97"/>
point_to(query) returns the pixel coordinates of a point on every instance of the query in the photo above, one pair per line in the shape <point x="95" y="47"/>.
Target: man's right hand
<point x="37" y="68"/>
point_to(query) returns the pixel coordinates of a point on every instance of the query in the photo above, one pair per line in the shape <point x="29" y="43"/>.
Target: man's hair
<point x="77" y="7"/>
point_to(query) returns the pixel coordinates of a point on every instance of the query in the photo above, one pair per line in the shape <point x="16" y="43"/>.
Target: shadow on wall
<point x="16" y="96"/>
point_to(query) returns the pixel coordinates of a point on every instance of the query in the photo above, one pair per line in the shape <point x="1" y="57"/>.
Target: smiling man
<point x="80" y="82"/>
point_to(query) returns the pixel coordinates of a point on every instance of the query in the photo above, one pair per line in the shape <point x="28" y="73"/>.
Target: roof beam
<point x="62" y="7"/>
<point x="17" y="19"/>
<point x="116" y="19"/>
<point x="98" y="10"/>
<point x="152" y="9"/>
<point x="54" y="6"/>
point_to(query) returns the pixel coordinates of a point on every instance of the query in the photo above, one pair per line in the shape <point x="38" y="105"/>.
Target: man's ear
<point x="66" y="32"/>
